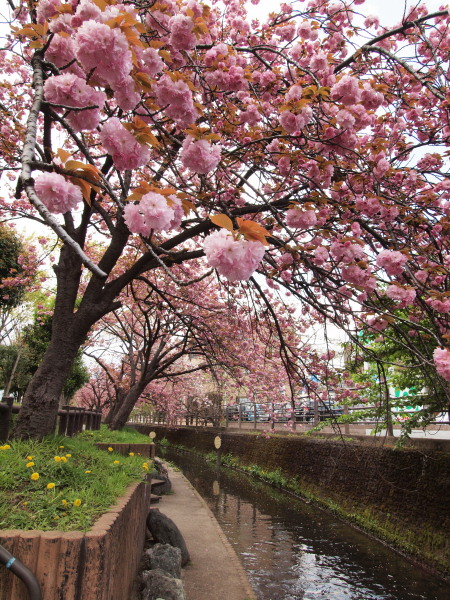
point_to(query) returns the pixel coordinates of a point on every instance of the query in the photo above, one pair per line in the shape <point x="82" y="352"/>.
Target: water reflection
<point x="292" y="550"/>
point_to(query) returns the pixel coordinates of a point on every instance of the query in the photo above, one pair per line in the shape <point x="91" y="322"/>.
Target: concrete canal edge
<point x="399" y="496"/>
<point x="214" y="570"/>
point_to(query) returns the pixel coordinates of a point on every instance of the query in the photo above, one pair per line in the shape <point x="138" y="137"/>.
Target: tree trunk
<point x="37" y="417"/>
<point x="123" y="411"/>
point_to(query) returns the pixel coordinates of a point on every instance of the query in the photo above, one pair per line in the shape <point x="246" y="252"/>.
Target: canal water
<point x="292" y="550"/>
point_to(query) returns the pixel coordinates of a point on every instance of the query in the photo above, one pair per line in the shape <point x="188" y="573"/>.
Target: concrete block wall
<point x="401" y="495"/>
<point x="100" y="564"/>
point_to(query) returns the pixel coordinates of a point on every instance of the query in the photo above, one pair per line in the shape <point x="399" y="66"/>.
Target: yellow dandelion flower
<point x="88" y="471"/>
<point x="64" y="502"/>
<point x="69" y="455"/>
<point x="34" y="476"/>
<point x="117" y="462"/>
<point x="57" y="459"/>
<point x="63" y="459"/>
<point x="50" y="486"/>
<point x="77" y="502"/>
<point x="145" y="466"/>
<point x="61" y="446"/>
<point x="5" y="447"/>
<point x="30" y="457"/>
<point x="30" y="464"/>
<point x="25" y="503"/>
<point x="131" y="453"/>
<point x="110" y="449"/>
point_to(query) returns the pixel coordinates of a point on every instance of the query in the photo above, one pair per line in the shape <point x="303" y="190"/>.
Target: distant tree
<point x="12" y="282"/>
<point x="34" y="340"/>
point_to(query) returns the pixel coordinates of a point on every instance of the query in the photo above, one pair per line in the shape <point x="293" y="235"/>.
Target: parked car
<point x="326" y="410"/>
<point x="282" y="411"/>
<point x="261" y="410"/>
<point x="232" y="412"/>
<point x="304" y="413"/>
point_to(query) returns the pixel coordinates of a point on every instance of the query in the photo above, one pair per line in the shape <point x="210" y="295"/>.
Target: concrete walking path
<point x="214" y="571"/>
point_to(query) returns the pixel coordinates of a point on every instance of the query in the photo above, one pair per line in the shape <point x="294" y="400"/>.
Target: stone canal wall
<point x="400" y="495"/>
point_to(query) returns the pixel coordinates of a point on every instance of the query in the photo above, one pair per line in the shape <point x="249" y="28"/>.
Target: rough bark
<point x="120" y="417"/>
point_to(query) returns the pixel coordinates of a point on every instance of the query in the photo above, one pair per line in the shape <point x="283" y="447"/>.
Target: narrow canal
<point x="292" y="550"/>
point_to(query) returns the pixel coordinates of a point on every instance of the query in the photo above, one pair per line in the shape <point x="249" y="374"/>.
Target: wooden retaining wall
<point x="100" y="564"/>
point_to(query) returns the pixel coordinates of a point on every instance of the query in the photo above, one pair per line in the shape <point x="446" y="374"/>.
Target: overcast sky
<point x="389" y="11"/>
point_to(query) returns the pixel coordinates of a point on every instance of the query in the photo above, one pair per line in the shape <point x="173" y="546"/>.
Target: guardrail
<point x="250" y="415"/>
<point x="71" y="419"/>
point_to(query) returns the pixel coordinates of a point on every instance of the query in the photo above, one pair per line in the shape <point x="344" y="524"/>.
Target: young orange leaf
<point x="187" y="206"/>
<point x="63" y="155"/>
<point x="222" y="220"/>
<point x="252" y="231"/>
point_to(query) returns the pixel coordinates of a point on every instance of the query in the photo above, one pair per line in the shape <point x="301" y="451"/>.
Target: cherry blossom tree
<point x="166" y="332"/>
<point x="310" y="149"/>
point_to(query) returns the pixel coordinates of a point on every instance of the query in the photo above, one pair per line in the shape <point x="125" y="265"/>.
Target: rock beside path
<point x="165" y="531"/>
<point x="164" y="557"/>
<point x="158" y="585"/>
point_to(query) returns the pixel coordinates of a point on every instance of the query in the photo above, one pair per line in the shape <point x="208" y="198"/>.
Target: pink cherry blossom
<point x="231" y="80"/>
<point x="346" y="251"/>
<point x="442" y="306"/>
<point x="320" y="255"/>
<point x="150" y="61"/>
<point x="295" y="122"/>
<point x="371" y="99"/>
<point x="127" y="95"/>
<point x="235" y="260"/>
<point x="58" y="194"/>
<point x="392" y="261"/>
<point x="346" y="90"/>
<point x="46" y="9"/>
<point x="359" y="277"/>
<point x="300" y="219"/>
<point x="105" y="50"/>
<point x="152" y="213"/>
<point x="125" y="150"/>
<point x="181" y="35"/>
<point x="200" y="156"/>
<point x="405" y="295"/>
<point x="70" y="90"/>
<point x="178" y="212"/>
<point x="441" y="357"/>
<point x="176" y="98"/>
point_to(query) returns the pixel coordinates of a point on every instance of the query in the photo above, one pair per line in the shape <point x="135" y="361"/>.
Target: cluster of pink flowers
<point x="346" y="90"/>
<point x="105" y="50"/>
<point x="153" y="213"/>
<point x="405" y="295"/>
<point x="234" y="259"/>
<point x="441" y="357"/>
<point x="359" y="277"/>
<point x="442" y="306"/>
<point x="181" y="34"/>
<point x="58" y="194"/>
<point x="199" y="155"/>
<point x="295" y="122"/>
<point x="300" y="219"/>
<point x="231" y="80"/>
<point x="392" y="262"/>
<point x="368" y="206"/>
<point x="125" y="150"/>
<point x="346" y="251"/>
<point x="70" y="90"/>
<point x="176" y="98"/>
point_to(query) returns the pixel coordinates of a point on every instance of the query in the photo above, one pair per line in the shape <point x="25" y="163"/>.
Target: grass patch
<point x="127" y="435"/>
<point x="62" y="483"/>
